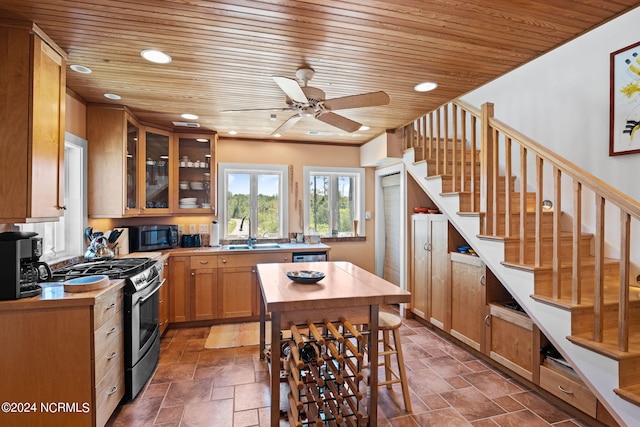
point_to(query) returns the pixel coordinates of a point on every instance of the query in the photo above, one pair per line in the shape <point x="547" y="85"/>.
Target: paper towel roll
<point x="214" y="240"/>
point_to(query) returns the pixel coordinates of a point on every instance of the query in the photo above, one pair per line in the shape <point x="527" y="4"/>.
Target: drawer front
<point x="105" y="308"/>
<point x="105" y="334"/>
<point x="203" y="261"/>
<point x="109" y="391"/>
<point x="112" y="355"/>
<point x="251" y="260"/>
<point x="571" y="391"/>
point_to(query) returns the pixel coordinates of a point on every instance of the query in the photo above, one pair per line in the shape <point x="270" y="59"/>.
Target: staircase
<point x="558" y="238"/>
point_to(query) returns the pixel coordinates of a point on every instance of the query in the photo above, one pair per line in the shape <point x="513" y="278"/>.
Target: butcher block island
<point x="330" y="329"/>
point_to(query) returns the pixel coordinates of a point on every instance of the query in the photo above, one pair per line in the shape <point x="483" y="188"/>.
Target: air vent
<point x="186" y="124"/>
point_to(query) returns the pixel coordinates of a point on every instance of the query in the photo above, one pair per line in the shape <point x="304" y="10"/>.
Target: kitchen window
<point x="64" y="239"/>
<point x="334" y="201"/>
<point x="254" y="200"/>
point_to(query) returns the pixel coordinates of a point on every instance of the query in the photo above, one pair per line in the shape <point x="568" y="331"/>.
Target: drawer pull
<point x="112" y="305"/>
<point x="483" y="280"/>
<point x="204" y="262"/>
<point x="112" y="330"/>
<point x="487" y="320"/>
<point x="113" y="390"/>
<point x="564" y="390"/>
<point x="112" y="355"/>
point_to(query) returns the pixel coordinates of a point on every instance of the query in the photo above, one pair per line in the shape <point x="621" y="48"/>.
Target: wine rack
<point x="326" y="373"/>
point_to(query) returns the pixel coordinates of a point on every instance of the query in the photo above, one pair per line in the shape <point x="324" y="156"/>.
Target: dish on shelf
<point x="196" y="185"/>
<point x="419" y="209"/>
<point x="188" y="201"/>
<point x="305" y="276"/>
<point x="184" y="185"/>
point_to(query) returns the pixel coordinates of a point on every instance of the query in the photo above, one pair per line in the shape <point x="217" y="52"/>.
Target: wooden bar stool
<point x="387" y="323"/>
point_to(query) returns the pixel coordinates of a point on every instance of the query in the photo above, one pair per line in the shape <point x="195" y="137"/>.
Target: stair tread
<point x="567" y="304"/>
<point x="586" y="261"/>
<point x="608" y="347"/>
<point x="630" y="393"/>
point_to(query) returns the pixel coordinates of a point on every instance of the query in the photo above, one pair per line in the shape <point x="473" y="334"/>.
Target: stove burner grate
<point x="113" y="268"/>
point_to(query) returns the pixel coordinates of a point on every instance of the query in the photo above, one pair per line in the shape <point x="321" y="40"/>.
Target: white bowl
<point x="195" y="185"/>
<point x="184" y="186"/>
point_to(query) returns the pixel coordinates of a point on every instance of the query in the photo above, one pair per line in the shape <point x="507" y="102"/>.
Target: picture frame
<point x="624" y="120"/>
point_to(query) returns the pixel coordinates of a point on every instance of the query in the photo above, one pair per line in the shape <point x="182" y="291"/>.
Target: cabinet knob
<point x="286" y="258"/>
<point x="193" y="273"/>
<point x="224" y="261"/>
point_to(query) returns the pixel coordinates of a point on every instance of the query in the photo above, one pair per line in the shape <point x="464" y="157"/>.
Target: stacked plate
<point x="188" y="203"/>
<point x="196" y="185"/>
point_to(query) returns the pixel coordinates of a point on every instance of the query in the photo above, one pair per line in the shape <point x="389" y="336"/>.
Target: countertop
<point x="54" y="296"/>
<point x="217" y="250"/>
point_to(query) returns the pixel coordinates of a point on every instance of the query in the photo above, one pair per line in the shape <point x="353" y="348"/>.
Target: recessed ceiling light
<point x="189" y="116"/>
<point x="425" y="86"/>
<point x="277" y="135"/>
<point x="363" y="127"/>
<point x="112" y="96"/>
<point x="233" y="132"/>
<point x="80" y="69"/>
<point x="156" y="56"/>
<point x="202" y="140"/>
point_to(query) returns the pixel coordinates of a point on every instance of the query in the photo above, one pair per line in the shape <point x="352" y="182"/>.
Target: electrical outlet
<point x="192" y="229"/>
<point x="204" y="228"/>
<point x="180" y="229"/>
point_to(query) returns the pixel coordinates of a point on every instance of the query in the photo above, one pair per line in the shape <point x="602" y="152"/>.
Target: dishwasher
<point x="309" y="256"/>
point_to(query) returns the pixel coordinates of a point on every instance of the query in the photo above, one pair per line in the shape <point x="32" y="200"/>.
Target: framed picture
<point x="624" y="120"/>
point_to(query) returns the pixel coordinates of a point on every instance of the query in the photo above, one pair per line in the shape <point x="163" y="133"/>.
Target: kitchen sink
<point x="256" y="246"/>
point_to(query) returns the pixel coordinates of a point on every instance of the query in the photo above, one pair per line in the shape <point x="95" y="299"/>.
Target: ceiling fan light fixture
<point x="156" y="56"/>
<point x="425" y="86"/>
<point x="81" y="69"/>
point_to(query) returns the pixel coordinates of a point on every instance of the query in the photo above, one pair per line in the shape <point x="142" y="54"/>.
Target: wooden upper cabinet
<point x="157" y="154"/>
<point x="32" y="89"/>
<point x="114" y="162"/>
<point x="195" y="173"/>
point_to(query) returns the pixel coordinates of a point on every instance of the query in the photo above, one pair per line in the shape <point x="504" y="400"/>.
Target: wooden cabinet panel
<point x="237" y="291"/>
<point x="33" y="91"/>
<point x="511" y="340"/>
<point x="437" y="270"/>
<point x="195" y="168"/>
<point x="419" y="272"/>
<point x="203" y="261"/>
<point x="569" y="388"/>
<point x="467" y="299"/>
<point x="180" y="290"/>
<point x="163" y="305"/>
<point x="204" y="295"/>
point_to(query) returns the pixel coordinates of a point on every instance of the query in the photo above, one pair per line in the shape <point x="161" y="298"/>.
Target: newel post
<point x="486" y="168"/>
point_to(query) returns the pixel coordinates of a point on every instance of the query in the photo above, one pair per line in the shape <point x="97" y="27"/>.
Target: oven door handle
<point x="151" y="292"/>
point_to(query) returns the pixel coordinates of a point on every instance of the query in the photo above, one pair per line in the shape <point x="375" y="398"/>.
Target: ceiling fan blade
<point x="340" y="122"/>
<point x="287" y="125"/>
<point x="291" y="88"/>
<point x="257" y="109"/>
<point x="356" y="101"/>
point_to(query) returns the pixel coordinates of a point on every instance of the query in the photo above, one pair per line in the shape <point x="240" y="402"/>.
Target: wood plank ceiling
<point x="225" y="52"/>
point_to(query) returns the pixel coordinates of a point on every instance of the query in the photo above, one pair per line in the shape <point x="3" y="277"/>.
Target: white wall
<point x="561" y="100"/>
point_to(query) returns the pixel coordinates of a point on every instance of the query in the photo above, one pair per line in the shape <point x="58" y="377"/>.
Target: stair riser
<point x="582" y="319"/>
<point x="530" y="224"/>
<point x="544" y="282"/>
<point x="512" y="250"/>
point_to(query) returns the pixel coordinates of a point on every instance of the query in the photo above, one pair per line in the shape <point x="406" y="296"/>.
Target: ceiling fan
<point x="307" y="101"/>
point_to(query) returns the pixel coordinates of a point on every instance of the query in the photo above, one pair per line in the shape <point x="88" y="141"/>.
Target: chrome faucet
<point x="250" y="240"/>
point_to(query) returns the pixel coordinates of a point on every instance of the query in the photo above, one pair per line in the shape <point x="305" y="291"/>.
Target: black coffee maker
<point x="20" y="268"/>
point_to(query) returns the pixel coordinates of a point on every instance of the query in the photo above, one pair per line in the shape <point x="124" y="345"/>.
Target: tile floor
<point x="194" y="386"/>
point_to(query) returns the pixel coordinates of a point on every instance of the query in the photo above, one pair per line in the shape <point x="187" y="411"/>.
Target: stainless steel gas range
<point x="141" y="299"/>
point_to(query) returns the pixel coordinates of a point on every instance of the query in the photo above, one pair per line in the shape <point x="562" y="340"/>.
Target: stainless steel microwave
<point x="144" y="238"/>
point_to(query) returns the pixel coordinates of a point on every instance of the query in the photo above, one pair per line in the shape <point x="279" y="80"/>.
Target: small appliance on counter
<point x="20" y="268"/>
<point x="190" y="241"/>
<point x="149" y="238"/>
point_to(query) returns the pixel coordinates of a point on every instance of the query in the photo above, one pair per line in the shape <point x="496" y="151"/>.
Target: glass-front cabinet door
<point x="196" y="172"/>
<point x="131" y="203"/>
<point x="156" y="171"/>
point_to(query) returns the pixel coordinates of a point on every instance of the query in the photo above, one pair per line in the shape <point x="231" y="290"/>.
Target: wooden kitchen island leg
<point x="373" y="366"/>
<point x="275" y="368"/>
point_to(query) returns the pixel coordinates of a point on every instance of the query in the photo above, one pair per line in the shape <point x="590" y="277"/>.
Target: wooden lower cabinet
<point x="566" y="385"/>
<point x="60" y="354"/>
<point x="468" y="299"/>
<point x="180" y="290"/>
<point x="163" y="306"/>
<point x="238" y="290"/>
